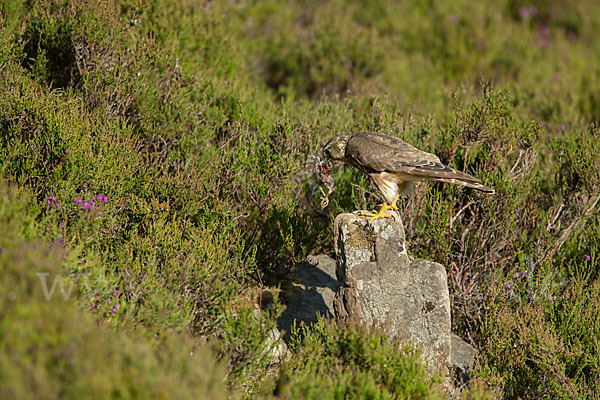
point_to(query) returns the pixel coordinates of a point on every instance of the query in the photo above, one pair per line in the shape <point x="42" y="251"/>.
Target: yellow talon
<point x="383" y="208"/>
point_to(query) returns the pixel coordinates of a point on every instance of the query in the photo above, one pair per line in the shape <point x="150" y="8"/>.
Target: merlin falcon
<point x="392" y="165"/>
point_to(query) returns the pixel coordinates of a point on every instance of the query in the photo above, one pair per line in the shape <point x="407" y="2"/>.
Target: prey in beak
<point x="325" y="180"/>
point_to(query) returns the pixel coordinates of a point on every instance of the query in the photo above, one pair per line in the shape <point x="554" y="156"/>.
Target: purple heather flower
<point x="118" y="293"/>
<point x="37" y="130"/>
<point x="587" y="257"/>
<point x="48" y="201"/>
<point x="92" y="206"/>
<point x="99" y="197"/>
<point x="97" y="292"/>
<point x="86" y="205"/>
<point x="524" y="12"/>
<point x="545" y="31"/>
<point x="78" y="201"/>
<point x="57" y="205"/>
<point x="453" y="18"/>
<point x="508" y="286"/>
<point x="116" y="306"/>
<point x="108" y="301"/>
<point x="549" y="151"/>
<point x="562" y="127"/>
<point x="208" y="4"/>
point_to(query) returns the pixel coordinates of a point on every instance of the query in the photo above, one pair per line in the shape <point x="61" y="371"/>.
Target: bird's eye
<point x="327" y="153"/>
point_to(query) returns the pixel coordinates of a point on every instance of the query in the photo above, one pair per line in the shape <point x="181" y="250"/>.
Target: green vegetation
<point x="191" y="126"/>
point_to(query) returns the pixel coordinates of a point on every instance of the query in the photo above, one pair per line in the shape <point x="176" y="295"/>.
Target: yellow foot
<point x="382" y="209"/>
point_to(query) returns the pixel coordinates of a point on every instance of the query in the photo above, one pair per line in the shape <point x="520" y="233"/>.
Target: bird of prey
<point x="392" y="165"/>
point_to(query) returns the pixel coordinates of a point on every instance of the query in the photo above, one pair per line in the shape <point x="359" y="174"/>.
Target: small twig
<point x="556" y="217"/>
<point x="205" y="168"/>
<point x="591" y="209"/>
<point x="563" y="237"/>
<point x="516" y="162"/>
<point x="455" y="217"/>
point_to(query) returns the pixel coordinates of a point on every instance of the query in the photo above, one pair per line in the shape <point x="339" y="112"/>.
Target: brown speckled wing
<point x="378" y="152"/>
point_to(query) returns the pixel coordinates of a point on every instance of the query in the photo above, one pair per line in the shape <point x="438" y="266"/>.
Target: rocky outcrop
<point x="463" y="359"/>
<point x="314" y="286"/>
<point x="380" y="284"/>
<point x="374" y="279"/>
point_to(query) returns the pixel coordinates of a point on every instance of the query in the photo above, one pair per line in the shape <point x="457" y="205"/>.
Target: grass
<point x="197" y="123"/>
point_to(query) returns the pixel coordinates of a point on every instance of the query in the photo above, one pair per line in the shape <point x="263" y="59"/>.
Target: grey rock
<point x="380" y="284"/>
<point x="315" y="287"/>
<point x="463" y="358"/>
<point x="278" y="349"/>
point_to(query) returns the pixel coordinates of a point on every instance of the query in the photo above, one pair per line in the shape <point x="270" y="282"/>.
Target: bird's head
<point x="335" y="148"/>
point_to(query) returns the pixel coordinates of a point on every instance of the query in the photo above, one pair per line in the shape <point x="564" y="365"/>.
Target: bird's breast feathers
<point x="390" y="186"/>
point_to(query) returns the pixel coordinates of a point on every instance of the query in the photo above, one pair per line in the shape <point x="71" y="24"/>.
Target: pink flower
<point x="587" y="257"/>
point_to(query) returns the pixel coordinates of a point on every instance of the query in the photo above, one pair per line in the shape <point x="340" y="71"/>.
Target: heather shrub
<point x="53" y="348"/>
<point x="193" y="126"/>
<point x="336" y="361"/>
